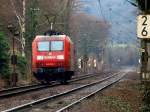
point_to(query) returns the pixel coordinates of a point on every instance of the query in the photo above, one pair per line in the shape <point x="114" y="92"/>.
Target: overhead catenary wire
<point x="101" y="10"/>
<point x="122" y="16"/>
<point x="118" y="14"/>
<point x="61" y="11"/>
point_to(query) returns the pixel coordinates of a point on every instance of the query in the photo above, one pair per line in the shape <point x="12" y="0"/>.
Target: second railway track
<point x="24" y="89"/>
<point x="25" y="96"/>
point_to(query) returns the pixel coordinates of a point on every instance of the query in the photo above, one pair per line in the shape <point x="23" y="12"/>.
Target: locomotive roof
<point x="52" y="36"/>
<point x="47" y="36"/>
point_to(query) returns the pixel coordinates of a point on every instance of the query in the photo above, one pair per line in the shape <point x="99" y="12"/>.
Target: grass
<point x="125" y="97"/>
<point x="117" y="104"/>
<point x="106" y="104"/>
<point x="145" y="106"/>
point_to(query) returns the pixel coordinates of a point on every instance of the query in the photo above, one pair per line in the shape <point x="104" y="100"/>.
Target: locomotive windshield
<point x="50" y="46"/>
<point x="43" y="46"/>
<point x="56" y="45"/>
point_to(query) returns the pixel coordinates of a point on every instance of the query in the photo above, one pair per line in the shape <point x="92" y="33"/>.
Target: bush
<point x="21" y="66"/>
<point x="4" y="57"/>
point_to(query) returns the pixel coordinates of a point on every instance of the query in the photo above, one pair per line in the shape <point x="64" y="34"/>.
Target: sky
<point x="120" y="14"/>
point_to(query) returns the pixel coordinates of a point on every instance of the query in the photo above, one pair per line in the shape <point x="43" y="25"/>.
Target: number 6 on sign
<point x="143" y="26"/>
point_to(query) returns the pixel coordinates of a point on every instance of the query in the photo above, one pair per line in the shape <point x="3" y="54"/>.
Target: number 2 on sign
<point x="144" y="31"/>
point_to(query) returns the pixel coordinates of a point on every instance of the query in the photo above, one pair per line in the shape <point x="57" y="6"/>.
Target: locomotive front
<point x="50" y="58"/>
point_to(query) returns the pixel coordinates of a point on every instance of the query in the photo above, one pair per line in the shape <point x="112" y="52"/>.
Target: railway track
<point x="76" y="102"/>
<point x="25" y="89"/>
<point x="18" y="90"/>
<point x="66" y="93"/>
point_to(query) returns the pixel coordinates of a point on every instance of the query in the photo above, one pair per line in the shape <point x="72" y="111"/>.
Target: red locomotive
<point x="52" y="58"/>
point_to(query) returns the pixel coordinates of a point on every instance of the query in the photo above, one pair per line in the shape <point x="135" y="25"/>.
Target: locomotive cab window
<point x="57" y="45"/>
<point x="43" y="46"/>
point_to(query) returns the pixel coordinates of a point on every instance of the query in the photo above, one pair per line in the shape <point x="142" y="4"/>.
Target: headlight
<point x="39" y="57"/>
<point x="60" y="57"/>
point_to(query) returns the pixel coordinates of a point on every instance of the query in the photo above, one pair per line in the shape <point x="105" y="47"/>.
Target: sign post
<point x="13" y="56"/>
<point x="14" y="62"/>
<point x="143" y="33"/>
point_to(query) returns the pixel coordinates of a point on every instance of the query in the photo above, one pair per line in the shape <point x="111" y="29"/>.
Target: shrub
<point x="21" y="66"/>
<point x="4" y="57"/>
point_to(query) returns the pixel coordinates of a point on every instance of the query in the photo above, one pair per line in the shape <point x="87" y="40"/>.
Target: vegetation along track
<point x="24" y="89"/>
<point x="56" y="96"/>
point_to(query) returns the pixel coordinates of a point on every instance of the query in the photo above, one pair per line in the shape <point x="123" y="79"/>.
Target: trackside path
<point x="125" y="96"/>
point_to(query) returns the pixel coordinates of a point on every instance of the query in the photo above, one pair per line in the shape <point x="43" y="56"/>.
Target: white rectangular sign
<point x="143" y="26"/>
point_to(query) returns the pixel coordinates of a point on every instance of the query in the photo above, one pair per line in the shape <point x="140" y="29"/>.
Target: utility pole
<point x="24" y="15"/>
<point x="102" y="61"/>
<point x="103" y="55"/>
<point x="23" y="27"/>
